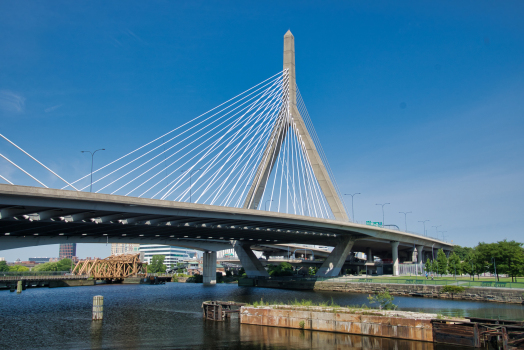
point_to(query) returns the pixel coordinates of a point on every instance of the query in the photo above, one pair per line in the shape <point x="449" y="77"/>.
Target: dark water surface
<point x="170" y="317"/>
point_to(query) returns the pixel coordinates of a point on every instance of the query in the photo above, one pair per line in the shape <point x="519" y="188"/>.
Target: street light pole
<point x="265" y="204"/>
<point x="382" y="212"/>
<point x="424" y="223"/>
<point x="190" y="183"/>
<point x="436" y="229"/>
<point x="92" y="160"/>
<point x="352" y="211"/>
<point x="405" y="218"/>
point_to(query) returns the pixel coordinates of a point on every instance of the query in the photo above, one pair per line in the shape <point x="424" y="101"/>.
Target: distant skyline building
<point x="173" y="255"/>
<point x="67" y="251"/>
<point x="124" y="248"/>
<point x="39" y="260"/>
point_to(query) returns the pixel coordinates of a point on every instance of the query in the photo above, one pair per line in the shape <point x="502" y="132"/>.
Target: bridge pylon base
<point x="334" y="262"/>
<point x="249" y="261"/>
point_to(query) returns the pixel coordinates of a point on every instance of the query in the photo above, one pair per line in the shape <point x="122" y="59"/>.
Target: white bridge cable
<point x="237" y="123"/>
<point x="36" y="160"/>
<point x="181" y="126"/>
<point x="234" y="150"/>
<point x="309" y="124"/>
<point x="6" y="180"/>
<point x="185" y="131"/>
<point x="25" y="172"/>
<point x="165" y="158"/>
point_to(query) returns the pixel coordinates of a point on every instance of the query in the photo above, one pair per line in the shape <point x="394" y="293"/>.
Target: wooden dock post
<point x="19" y="287"/>
<point x="98" y="307"/>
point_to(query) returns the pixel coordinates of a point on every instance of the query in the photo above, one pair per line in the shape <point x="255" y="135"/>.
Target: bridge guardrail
<point x="43" y="278"/>
<point x="33" y="273"/>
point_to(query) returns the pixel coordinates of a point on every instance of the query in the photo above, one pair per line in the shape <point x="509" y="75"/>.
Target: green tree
<point x="454" y="265"/>
<point x="442" y="262"/>
<point x="467" y="265"/>
<point x="427" y="266"/>
<point x="64" y="265"/>
<point x="512" y="258"/>
<point x="18" y="268"/>
<point x="157" y="264"/>
<point x="283" y="269"/>
<point x="462" y="252"/>
<point x="488" y="254"/>
<point x="48" y="266"/>
<point x="3" y="266"/>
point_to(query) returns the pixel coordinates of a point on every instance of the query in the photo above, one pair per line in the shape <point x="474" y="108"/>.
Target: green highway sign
<point x="374" y="223"/>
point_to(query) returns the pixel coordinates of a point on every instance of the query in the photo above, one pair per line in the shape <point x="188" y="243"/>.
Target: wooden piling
<point x="98" y="307"/>
<point x="19" y="287"/>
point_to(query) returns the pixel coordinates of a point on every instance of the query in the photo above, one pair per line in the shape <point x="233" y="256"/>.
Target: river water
<point x="170" y="317"/>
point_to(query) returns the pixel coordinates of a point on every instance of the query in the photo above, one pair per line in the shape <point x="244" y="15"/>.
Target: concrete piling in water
<point x="98" y="307"/>
<point x="19" y="287"/>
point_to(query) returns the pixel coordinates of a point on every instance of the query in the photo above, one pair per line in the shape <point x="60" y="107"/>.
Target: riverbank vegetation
<point x="503" y="257"/>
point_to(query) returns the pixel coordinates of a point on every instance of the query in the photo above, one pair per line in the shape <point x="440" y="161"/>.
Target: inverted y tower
<point x="290" y="114"/>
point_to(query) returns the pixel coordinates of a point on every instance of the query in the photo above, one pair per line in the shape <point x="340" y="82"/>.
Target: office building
<point x="67" y="251"/>
<point x="172" y="255"/>
<point x="124" y="248"/>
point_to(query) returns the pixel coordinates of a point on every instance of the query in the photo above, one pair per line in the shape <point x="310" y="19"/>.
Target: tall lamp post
<point x="405" y="218"/>
<point x="383" y="212"/>
<point x="424" y="223"/>
<point x="92" y="160"/>
<point x="443" y="237"/>
<point x="352" y="211"/>
<point x="190" y="183"/>
<point x="436" y="229"/>
<point x="265" y="204"/>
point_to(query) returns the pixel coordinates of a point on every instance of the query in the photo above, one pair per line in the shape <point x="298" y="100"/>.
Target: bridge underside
<point x="32" y="216"/>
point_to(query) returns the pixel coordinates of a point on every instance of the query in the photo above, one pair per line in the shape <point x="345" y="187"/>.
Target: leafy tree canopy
<point x="157" y="264"/>
<point x="3" y="266"/>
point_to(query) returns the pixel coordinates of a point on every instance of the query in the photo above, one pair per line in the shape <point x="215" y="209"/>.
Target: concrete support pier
<point x="248" y="260"/>
<point x="334" y="262"/>
<point x="394" y="255"/>
<point x="369" y="255"/>
<point x="420" y="254"/>
<point x="210" y="268"/>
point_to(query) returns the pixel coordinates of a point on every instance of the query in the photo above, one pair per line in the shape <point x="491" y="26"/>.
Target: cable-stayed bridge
<point x="250" y="170"/>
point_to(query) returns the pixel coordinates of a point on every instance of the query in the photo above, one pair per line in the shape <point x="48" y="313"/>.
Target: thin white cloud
<point x="11" y="102"/>
<point x="50" y="109"/>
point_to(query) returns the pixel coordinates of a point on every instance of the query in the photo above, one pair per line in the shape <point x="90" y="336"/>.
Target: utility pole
<point x="92" y="160"/>
<point x="352" y="211"/>
<point x="405" y="219"/>
<point x="383" y="212"/>
<point x="424" y="223"/>
<point x="436" y="229"/>
<point x="190" y="183"/>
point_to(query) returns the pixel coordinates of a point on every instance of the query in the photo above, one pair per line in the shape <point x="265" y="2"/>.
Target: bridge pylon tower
<point x="290" y="116"/>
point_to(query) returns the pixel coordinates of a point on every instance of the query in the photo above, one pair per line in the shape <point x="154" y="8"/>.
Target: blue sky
<point x="419" y="104"/>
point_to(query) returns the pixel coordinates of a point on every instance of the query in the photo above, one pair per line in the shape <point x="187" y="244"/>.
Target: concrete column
<point x="420" y="254"/>
<point x="394" y="255"/>
<point x="249" y="261"/>
<point x="370" y="255"/>
<point x="336" y="259"/>
<point x="447" y="252"/>
<point x="210" y="268"/>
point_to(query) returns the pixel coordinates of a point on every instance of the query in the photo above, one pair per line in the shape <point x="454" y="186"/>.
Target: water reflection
<point x="272" y="337"/>
<point x="170" y="317"/>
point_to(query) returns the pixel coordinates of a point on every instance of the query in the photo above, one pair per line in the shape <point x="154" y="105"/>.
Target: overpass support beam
<point x="334" y="262"/>
<point x="249" y="261"/>
<point x="420" y="254"/>
<point x="394" y="255"/>
<point x="210" y="268"/>
<point x="369" y="255"/>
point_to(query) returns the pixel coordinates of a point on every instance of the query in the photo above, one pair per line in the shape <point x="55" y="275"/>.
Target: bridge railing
<point x="33" y="273"/>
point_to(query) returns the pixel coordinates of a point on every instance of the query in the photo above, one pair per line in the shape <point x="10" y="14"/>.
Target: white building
<point x="172" y="255"/>
<point x="124" y="248"/>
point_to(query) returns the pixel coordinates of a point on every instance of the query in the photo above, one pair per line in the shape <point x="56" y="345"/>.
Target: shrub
<point x="383" y="299"/>
<point x="301" y="324"/>
<point x="453" y="289"/>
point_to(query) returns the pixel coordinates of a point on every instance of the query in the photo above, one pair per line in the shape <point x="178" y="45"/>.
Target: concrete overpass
<point x="31" y="216"/>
